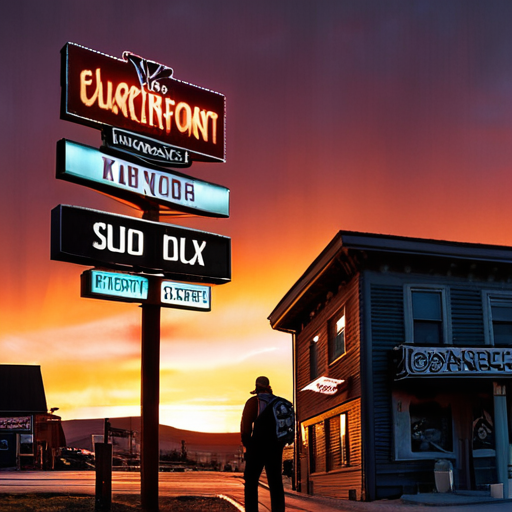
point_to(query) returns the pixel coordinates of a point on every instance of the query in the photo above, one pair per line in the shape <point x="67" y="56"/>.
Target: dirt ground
<point x="120" y="503"/>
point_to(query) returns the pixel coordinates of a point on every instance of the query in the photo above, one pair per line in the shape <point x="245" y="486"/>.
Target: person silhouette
<point x="262" y="448"/>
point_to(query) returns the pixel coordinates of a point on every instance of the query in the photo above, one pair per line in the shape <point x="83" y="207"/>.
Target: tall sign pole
<point x="150" y="399"/>
<point x="149" y="122"/>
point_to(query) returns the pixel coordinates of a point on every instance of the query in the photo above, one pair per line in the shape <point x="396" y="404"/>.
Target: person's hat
<point x="262" y="385"/>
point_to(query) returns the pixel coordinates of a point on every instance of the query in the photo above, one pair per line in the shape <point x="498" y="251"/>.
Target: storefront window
<point x="338" y="449"/>
<point x="431" y="428"/>
<point x="328" y="444"/>
<point x="483" y="431"/>
<point x="423" y="429"/>
<point x="317" y="447"/>
<point x="26" y="444"/>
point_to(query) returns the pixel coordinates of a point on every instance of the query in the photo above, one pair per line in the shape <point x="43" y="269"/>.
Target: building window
<point x="337" y="336"/>
<point x="423" y="429"/>
<point x="431" y="428"/>
<point x="499" y="314"/>
<point x="337" y="454"/>
<point x="426" y="315"/>
<point x="317" y="448"/>
<point x="313" y="359"/>
<point x="328" y="444"/>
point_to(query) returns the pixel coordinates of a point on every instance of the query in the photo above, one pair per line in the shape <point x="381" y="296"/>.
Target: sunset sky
<point x="379" y="116"/>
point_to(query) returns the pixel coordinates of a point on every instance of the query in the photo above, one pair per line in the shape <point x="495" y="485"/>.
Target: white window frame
<point x="445" y="310"/>
<point x="487" y="297"/>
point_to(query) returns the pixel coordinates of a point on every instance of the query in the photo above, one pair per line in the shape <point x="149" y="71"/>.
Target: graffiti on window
<point x="431" y="428"/>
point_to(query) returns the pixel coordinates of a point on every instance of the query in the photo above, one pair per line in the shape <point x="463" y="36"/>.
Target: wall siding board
<point x="387" y="324"/>
<point x="347" y="367"/>
<point x="387" y="327"/>
<point x="467" y="316"/>
<point x="338" y="482"/>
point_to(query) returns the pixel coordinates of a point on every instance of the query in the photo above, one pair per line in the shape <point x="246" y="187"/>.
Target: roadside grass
<point x="120" y="503"/>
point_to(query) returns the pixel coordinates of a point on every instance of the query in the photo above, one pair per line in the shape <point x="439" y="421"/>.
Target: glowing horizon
<point x="363" y="116"/>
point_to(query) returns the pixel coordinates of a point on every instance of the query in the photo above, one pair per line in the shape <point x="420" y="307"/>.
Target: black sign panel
<point x="141" y="96"/>
<point x="95" y="238"/>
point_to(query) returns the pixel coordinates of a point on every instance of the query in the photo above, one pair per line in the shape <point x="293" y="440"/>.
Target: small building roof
<point x="348" y="251"/>
<point x="22" y="390"/>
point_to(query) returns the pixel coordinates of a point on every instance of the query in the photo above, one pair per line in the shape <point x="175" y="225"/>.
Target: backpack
<point x="276" y="422"/>
<point x="285" y="420"/>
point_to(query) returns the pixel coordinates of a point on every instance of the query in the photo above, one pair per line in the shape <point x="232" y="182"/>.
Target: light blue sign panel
<point x="137" y="183"/>
<point x="186" y="296"/>
<point x="119" y="285"/>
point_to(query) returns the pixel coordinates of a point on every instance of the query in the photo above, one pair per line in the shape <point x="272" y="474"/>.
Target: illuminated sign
<point x="115" y="286"/>
<point x="16" y="423"/>
<point x="137" y="184"/>
<point x="185" y="296"/>
<point x="124" y="287"/>
<point x="141" y="96"/>
<point x="324" y="385"/>
<point x="145" y="147"/>
<point x="453" y="362"/>
<point x="90" y="237"/>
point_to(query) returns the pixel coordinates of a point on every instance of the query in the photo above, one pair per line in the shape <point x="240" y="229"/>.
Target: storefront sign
<point x="16" y="423"/>
<point x="185" y="296"/>
<point x="145" y="147"/>
<point x="142" y="96"/>
<point x="95" y="238"/>
<point x="324" y="385"/>
<point x="114" y="286"/>
<point x="137" y="184"/>
<point x="452" y="362"/>
<point x="124" y="287"/>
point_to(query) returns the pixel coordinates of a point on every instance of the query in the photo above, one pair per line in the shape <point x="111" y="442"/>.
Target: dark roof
<point x="343" y="257"/>
<point x="22" y="389"/>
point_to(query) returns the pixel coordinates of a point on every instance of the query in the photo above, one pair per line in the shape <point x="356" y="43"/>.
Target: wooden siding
<point x="347" y="367"/>
<point x="393" y="478"/>
<point x="467" y="316"/>
<point x="387" y="315"/>
<point x="337" y="483"/>
<point x="387" y="324"/>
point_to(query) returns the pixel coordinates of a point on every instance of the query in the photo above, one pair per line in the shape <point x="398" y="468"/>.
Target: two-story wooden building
<point x="402" y="354"/>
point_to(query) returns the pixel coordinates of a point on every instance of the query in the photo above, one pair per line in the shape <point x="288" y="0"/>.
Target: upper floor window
<point x="337" y="336"/>
<point x="313" y="359"/>
<point x="426" y="315"/>
<point x="499" y="314"/>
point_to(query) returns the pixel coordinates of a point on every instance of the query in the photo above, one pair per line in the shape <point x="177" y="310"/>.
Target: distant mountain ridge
<point x="79" y="435"/>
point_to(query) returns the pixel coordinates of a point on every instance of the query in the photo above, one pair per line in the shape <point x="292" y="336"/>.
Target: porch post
<point x="501" y="433"/>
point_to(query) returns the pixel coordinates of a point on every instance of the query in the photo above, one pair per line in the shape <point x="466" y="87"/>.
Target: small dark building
<point x="402" y="354"/>
<point x="30" y="437"/>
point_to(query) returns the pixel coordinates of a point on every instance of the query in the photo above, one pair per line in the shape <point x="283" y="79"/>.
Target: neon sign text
<point x="143" y="98"/>
<point x="147" y="107"/>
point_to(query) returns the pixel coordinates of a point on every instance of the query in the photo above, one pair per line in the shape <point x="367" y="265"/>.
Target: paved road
<point x="209" y="484"/>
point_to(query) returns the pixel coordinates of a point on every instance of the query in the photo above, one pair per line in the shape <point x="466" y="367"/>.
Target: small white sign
<point x="186" y="296"/>
<point x="324" y="385"/>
